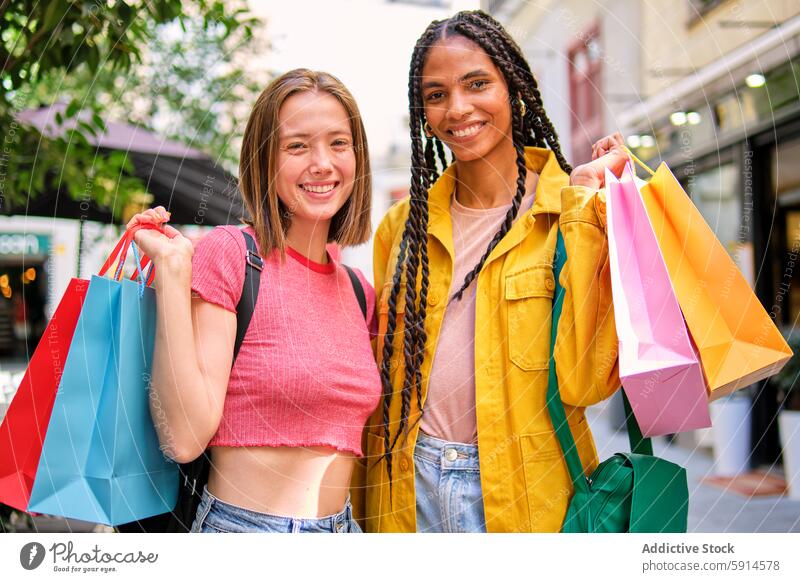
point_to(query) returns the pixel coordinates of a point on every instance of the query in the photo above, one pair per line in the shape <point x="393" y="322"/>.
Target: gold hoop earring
<point x="522" y="108"/>
<point x="428" y="129"/>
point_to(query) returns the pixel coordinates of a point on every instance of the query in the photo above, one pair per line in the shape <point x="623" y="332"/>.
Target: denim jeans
<point x="448" y="486"/>
<point x="216" y="516"/>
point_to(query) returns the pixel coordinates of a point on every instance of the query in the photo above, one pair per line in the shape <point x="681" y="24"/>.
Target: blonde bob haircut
<point x="258" y="164"/>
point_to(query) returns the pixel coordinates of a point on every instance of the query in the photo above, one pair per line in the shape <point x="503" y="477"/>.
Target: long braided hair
<point x="427" y="154"/>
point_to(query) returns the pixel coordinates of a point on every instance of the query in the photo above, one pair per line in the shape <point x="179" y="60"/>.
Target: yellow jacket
<point x="525" y="484"/>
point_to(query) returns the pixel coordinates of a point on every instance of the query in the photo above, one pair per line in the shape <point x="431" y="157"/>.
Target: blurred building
<point x="722" y="87"/>
<point x="712" y="87"/>
<point x="586" y="58"/>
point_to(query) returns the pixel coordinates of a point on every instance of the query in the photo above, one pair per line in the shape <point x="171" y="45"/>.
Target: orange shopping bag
<point x="737" y="341"/>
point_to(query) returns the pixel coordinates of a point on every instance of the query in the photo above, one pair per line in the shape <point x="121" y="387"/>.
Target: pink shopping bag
<point x="658" y="366"/>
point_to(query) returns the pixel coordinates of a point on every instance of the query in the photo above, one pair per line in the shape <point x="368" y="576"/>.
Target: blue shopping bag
<point x="101" y="460"/>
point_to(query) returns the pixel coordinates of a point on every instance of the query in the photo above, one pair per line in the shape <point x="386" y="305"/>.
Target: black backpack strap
<point x="359" y="290"/>
<point x="195" y="473"/>
<point x="247" y="303"/>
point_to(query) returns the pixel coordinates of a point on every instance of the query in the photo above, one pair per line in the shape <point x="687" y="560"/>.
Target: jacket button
<point x="433" y="299"/>
<point x="404" y="464"/>
<point x="550" y="284"/>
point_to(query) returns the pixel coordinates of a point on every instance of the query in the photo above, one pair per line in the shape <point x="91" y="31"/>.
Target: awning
<point x="182" y="179"/>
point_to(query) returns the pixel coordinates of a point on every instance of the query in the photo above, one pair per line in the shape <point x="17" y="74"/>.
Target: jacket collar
<point x="547" y="198"/>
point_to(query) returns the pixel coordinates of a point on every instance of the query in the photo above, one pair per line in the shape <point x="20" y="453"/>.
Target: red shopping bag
<point x="25" y="424"/>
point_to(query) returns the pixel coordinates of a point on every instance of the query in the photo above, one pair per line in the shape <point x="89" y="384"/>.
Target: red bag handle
<point x="120" y="252"/>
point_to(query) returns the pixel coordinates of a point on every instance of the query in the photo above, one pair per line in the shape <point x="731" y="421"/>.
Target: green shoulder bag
<point x="630" y="492"/>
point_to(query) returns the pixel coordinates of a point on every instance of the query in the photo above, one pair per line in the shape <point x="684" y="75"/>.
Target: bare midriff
<point x="305" y="482"/>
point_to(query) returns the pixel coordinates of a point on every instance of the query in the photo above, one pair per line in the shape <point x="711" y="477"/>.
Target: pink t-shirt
<point x="305" y="374"/>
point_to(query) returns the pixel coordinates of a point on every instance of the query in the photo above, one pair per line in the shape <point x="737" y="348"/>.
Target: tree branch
<point x="12" y="61"/>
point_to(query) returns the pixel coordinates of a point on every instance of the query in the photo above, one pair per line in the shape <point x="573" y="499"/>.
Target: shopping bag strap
<point x="555" y="407"/>
<point x="638" y="161"/>
<point x="120" y="251"/>
<point x="558" y="415"/>
<point x="139" y="270"/>
<point x="639" y="444"/>
<point x="145" y="263"/>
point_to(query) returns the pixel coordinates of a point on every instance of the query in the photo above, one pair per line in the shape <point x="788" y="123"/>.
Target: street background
<point x="712" y="87"/>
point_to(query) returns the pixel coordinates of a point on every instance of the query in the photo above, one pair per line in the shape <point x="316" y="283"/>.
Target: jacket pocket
<point x="547" y="481"/>
<point x="529" y="301"/>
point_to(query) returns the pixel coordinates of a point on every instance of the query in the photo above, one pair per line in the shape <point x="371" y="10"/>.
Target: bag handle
<point x="114" y="255"/>
<point x="120" y="252"/>
<point x="639" y="444"/>
<point x="140" y="269"/>
<point x="638" y="161"/>
<point x="555" y="406"/>
<point x="558" y="414"/>
<point x="141" y="266"/>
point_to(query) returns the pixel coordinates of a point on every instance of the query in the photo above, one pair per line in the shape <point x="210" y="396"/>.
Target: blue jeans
<point x="216" y="516"/>
<point x="448" y="486"/>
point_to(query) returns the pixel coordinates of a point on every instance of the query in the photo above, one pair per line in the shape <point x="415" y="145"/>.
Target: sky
<point x="366" y="43"/>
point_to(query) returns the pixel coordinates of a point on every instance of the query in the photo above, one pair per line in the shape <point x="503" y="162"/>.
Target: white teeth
<point x="467" y="132"/>
<point x="318" y="189"/>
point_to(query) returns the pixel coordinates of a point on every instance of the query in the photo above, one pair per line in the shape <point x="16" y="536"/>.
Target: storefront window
<point x="786" y="180"/>
<point x="716" y="194"/>
<point x="742" y="110"/>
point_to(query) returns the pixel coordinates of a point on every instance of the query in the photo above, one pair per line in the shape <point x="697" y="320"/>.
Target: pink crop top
<point x="305" y="374"/>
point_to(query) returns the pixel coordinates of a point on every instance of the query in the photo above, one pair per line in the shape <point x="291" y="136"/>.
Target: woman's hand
<point x="608" y="152"/>
<point x="170" y="251"/>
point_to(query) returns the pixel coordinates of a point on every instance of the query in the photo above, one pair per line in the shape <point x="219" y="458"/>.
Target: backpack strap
<point x="254" y="264"/>
<point x="195" y="473"/>
<point x="359" y="290"/>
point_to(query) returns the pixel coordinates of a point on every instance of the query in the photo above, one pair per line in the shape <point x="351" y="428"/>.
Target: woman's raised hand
<point x="167" y="247"/>
<point x="608" y="152"/>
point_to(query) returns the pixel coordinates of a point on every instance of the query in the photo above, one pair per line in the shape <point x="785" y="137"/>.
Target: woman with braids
<point x="462" y="440"/>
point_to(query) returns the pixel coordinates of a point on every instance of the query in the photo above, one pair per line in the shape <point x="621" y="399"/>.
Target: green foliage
<point x="194" y="91"/>
<point x="104" y="58"/>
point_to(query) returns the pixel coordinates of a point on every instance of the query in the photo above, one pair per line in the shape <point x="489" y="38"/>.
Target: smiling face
<point x="466" y="99"/>
<point x="316" y="161"/>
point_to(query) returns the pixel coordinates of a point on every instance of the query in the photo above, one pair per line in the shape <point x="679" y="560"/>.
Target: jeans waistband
<point x="333" y="523"/>
<point x="448" y="454"/>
